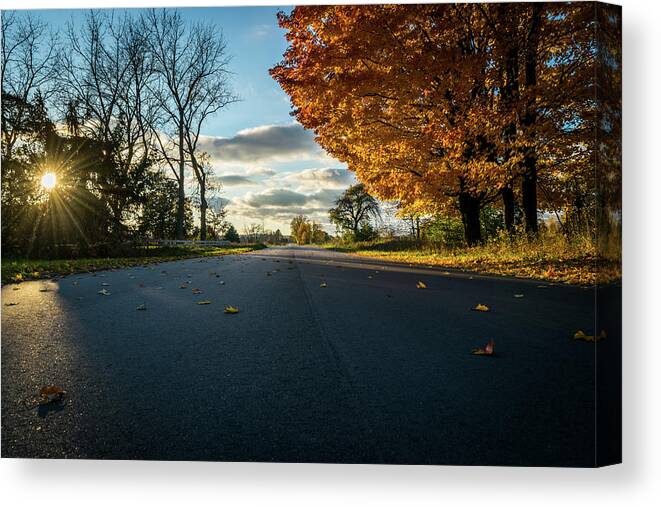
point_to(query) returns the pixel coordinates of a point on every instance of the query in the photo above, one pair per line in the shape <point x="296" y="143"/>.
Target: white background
<point x="636" y="482"/>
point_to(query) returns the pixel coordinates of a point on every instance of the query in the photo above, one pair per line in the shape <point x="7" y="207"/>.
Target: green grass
<point x="17" y="270"/>
<point x="550" y="257"/>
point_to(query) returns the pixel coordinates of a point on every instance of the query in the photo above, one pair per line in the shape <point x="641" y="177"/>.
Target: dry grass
<point x="551" y="257"/>
<point x="18" y="270"/>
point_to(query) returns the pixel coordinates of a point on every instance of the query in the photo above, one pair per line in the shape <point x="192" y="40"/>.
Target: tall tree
<point x="301" y="229"/>
<point x="353" y="209"/>
<point x="103" y="89"/>
<point x="190" y="62"/>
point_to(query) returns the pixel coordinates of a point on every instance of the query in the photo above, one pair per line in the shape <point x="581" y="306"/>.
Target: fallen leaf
<point x="580" y="335"/>
<point x="183" y="286"/>
<point x="322" y="285"/>
<point x="74" y="283"/>
<point x="518" y="295"/>
<point x="420" y="285"/>
<point x="196" y="291"/>
<point x="231" y="309"/>
<point x="50" y="394"/>
<point x="205" y="302"/>
<point x="221" y="283"/>
<point x="104" y="292"/>
<point x="44" y="289"/>
<point x="105" y="284"/>
<point x="15" y="288"/>
<point x="369" y="276"/>
<point x="141" y="307"/>
<point x="11" y="304"/>
<point x="481" y="308"/>
<point x="486" y="351"/>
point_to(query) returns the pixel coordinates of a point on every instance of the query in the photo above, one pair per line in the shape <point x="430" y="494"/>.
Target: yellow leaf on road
<point x="481" y="308"/>
<point x="205" y="302"/>
<point x="486" y="351"/>
<point x="322" y="285"/>
<point x="420" y="285"/>
<point x="197" y="291"/>
<point x="580" y="335"/>
<point x="231" y="309"/>
<point x="49" y="394"/>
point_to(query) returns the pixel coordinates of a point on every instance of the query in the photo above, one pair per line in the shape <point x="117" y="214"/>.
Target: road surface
<point x="367" y="369"/>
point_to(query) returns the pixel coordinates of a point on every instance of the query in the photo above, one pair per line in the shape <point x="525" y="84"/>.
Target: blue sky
<point x="270" y="167"/>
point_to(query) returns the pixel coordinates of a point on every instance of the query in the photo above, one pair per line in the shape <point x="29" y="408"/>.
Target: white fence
<point x="188" y="242"/>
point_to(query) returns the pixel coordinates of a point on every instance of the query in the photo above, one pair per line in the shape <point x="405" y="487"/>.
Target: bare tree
<point x="190" y="62"/>
<point x="27" y="68"/>
<point x="104" y="77"/>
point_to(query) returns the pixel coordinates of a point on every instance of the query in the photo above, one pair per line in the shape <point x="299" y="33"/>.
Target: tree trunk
<point x="529" y="182"/>
<point x="203" y="210"/>
<point x="508" y="208"/>
<point x="529" y="194"/>
<point x="181" y="201"/>
<point x="469" y="207"/>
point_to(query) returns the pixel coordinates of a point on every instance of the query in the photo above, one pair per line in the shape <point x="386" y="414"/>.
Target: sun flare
<point x="48" y="181"/>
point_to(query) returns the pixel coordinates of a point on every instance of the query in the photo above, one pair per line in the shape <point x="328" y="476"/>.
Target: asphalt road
<point x="368" y="369"/>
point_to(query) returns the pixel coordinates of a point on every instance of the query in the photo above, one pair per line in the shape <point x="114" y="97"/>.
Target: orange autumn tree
<point x="433" y="104"/>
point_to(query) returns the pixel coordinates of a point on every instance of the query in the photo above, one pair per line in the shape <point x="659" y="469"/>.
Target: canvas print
<point x="383" y="234"/>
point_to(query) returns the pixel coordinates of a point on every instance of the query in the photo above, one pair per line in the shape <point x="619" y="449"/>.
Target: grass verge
<point x="554" y="260"/>
<point x="18" y="270"/>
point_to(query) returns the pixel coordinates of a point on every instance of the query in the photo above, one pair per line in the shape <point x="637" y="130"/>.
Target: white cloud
<point x="275" y="197"/>
<point x="267" y="143"/>
<point x="327" y="178"/>
<point x="279" y="205"/>
<point x="234" y="180"/>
